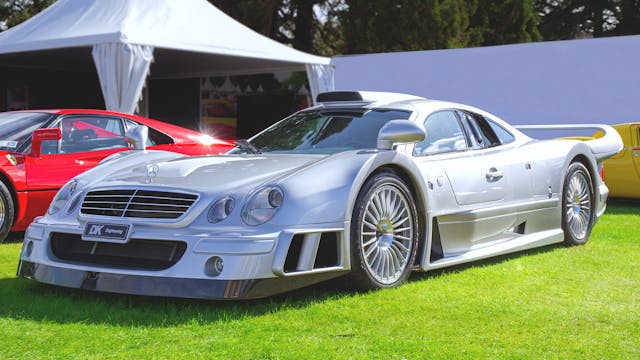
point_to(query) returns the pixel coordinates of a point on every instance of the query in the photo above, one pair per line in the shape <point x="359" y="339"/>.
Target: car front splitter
<point x="168" y="286"/>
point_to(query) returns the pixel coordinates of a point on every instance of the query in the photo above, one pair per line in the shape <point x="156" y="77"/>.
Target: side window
<point x="89" y="133"/>
<point x="503" y="135"/>
<point x="486" y="132"/>
<point x="444" y="134"/>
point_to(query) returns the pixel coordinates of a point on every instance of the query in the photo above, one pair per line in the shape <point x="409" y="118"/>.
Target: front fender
<point x="326" y="192"/>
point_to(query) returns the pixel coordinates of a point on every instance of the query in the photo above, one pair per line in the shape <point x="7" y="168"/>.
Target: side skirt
<point x="518" y="244"/>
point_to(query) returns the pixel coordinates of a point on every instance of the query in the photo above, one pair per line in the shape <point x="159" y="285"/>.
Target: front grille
<point x="147" y="204"/>
<point x="136" y="254"/>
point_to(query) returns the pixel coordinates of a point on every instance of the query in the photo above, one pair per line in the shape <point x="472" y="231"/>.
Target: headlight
<point x="62" y="197"/>
<point x="73" y="204"/>
<point x="220" y="210"/>
<point x="262" y="205"/>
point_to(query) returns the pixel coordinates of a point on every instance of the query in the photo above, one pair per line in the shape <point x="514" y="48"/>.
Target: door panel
<point x="471" y="212"/>
<point x="86" y="140"/>
<point x="53" y="171"/>
<point x="635" y="151"/>
<point x="478" y="179"/>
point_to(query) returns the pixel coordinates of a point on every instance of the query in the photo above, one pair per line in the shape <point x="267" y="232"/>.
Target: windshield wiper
<point x="247" y="147"/>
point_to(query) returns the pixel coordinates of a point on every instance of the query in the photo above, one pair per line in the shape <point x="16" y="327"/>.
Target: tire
<point x="6" y="211"/>
<point x="578" y="213"/>
<point x="384" y="233"/>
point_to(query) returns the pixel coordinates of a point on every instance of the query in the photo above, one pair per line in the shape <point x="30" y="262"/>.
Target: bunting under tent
<point x="124" y="43"/>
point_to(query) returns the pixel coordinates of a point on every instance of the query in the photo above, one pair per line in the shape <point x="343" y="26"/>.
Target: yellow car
<point x="622" y="171"/>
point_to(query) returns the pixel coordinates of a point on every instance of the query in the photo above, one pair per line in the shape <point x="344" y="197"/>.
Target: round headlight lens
<point x="262" y="205"/>
<point x="221" y="209"/>
<point x="62" y="196"/>
<point x="275" y="197"/>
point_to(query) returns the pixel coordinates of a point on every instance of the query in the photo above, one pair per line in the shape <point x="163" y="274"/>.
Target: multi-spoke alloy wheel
<point x="384" y="233"/>
<point x="577" y="205"/>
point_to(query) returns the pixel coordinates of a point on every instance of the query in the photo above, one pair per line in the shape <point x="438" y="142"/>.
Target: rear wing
<point x="602" y="147"/>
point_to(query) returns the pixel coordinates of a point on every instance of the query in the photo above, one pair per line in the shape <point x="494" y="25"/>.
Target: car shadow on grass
<point x="623" y="206"/>
<point x="25" y="299"/>
<point x="14" y="237"/>
<point x="418" y="276"/>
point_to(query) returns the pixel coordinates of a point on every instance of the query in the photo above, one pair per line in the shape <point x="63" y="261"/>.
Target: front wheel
<point x="6" y="211"/>
<point x="577" y="205"/>
<point x="384" y="233"/>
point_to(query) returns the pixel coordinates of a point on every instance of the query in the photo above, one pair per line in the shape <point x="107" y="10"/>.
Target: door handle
<point x="494" y="174"/>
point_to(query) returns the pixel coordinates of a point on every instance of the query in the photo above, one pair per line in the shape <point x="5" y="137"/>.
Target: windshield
<point x="324" y="132"/>
<point x="16" y="128"/>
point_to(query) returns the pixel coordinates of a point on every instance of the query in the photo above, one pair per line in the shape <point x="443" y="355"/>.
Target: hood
<point x="206" y="173"/>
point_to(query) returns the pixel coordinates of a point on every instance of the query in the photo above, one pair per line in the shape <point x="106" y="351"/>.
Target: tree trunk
<point x="303" y="32"/>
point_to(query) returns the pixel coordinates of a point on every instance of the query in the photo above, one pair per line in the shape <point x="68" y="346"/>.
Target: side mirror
<point x="399" y="131"/>
<point x="41" y="135"/>
<point x="137" y="137"/>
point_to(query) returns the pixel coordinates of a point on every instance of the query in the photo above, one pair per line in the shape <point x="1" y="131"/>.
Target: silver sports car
<point x="367" y="185"/>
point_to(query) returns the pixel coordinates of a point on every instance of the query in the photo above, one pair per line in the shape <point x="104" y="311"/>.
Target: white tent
<point x="169" y="38"/>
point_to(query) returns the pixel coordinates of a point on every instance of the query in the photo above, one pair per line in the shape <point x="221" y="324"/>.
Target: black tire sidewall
<point x="7" y="200"/>
<point x="360" y="276"/>
<point x="569" y="238"/>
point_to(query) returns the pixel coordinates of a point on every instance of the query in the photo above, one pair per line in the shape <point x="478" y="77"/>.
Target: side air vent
<point x="147" y="204"/>
<point x="313" y="251"/>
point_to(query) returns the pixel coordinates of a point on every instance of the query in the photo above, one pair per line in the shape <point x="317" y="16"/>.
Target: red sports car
<point x="41" y="150"/>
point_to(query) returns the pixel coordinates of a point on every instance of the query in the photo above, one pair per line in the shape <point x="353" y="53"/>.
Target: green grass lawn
<point x="571" y="303"/>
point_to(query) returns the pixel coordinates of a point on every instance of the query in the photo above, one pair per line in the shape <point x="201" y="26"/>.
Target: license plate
<point x="106" y="232"/>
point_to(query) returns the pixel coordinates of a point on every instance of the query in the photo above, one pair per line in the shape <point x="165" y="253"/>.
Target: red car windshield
<point x="16" y="128"/>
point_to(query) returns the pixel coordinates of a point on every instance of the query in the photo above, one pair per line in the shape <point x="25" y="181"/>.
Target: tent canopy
<point x="186" y="37"/>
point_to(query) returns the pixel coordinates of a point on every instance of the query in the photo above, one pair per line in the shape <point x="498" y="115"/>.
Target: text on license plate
<point x="106" y="231"/>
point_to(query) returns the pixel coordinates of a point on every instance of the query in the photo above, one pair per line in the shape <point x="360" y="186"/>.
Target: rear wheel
<point x="577" y="205"/>
<point x="6" y="211"/>
<point x="384" y="233"/>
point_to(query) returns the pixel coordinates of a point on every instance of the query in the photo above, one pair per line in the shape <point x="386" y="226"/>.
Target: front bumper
<point x="167" y="286"/>
<point x="255" y="264"/>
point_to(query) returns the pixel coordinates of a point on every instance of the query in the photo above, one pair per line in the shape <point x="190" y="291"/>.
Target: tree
<point x="629" y="18"/>
<point x="262" y="16"/>
<point x="504" y="22"/>
<point x="569" y="19"/>
<point x="403" y="25"/>
<point x="291" y="22"/>
<point x="13" y="12"/>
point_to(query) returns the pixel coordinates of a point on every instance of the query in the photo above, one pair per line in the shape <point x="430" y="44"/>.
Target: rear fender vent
<point x="312" y="251"/>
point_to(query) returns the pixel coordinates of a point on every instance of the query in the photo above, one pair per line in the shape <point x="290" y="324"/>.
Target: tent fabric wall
<point x="320" y="79"/>
<point x="556" y="82"/>
<point x="122" y="69"/>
